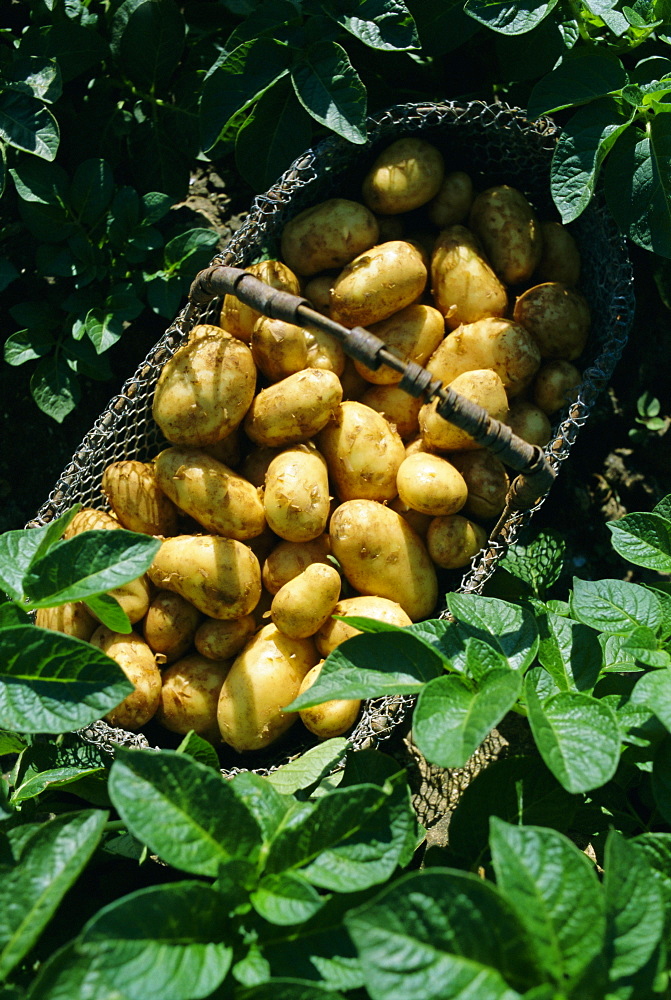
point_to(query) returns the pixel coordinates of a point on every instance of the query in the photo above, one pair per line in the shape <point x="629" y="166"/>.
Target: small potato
<point x="296" y="498"/>
<point x="288" y="559"/>
<point x="453" y="202"/>
<point x="265" y="677"/>
<point x="139" y="665"/>
<point x="452" y="541"/>
<point x="378" y="283"/>
<point x="228" y="450"/>
<point x="220" y="576"/>
<point x="382" y="609"/>
<point x="279" y="349"/>
<point x="397" y="406"/>
<point x="73" y="618"/>
<point x="381" y="555"/>
<point x="318" y="292"/>
<point x="405" y="175"/>
<point x="330" y="718"/>
<point x="482" y="386"/>
<point x="137" y="499"/>
<point x="237" y="318"/>
<point x="556" y="385"/>
<point x="324" y="351"/>
<point x="418" y="522"/>
<point x="465" y="288"/>
<point x="487" y="482"/>
<point x="353" y="385"/>
<point x="214" y="495"/>
<point x="509" y="230"/>
<point x="557" y="317"/>
<point x="219" y="640"/>
<point x="529" y="422"/>
<point x="293" y="410"/>
<point x="204" y="390"/>
<point x="362" y="452"/>
<point x="560" y="260"/>
<point x="170" y="625"/>
<point x="255" y="465"/>
<point x="303" y="604"/>
<point x="413" y="334"/>
<point x="328" y="235"/>
<point x="431" y="485"/>
<point x="190" y="696"/>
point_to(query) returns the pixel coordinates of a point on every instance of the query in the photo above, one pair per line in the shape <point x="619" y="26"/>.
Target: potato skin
<point x="482" y="386"/>
<point x="508" y="228"/>
<point x="486" y="480"/>
<point x="465" y="288"/>
<point x="237" y="318"/>
<point x="288" y="559"/>
<point x="73" y="618"/>
<point x="406" y="174"/>
<point x="190" y="696"/>
<point x="363" y="453"/>
<point x="221" y="640"/>
<point x="557" y="317"/>
<point x="296" y="498"/>
<point x="529" y="422"/>
<point x="303" y="604"/>
<point x="137" y="499"/>
<point x="138" y="663"/>
<point x="398" y="407"/>
<point x="333" y="632"/>
<point x="560" y="260"/>
<point x="293" y="410"/>
<point x="413" y="334"/>
<point x="330" y="718"/>
<point x="328" y="236"/>
<point x="453" y="202"/>
<point x="264" y="677"/>
<point x="279" y="349"/>
<point x="453" y="540"/>
<point x="556" y="385"/>
<point x="170" y="625"/>
<point x="381" y="555"/>
<point x="378" y="283"/>
<point x="431" y="485"/>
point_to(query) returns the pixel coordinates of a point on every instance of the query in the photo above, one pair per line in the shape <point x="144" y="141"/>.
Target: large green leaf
<point x="147" y="39"/>
<point x="91" y="190"/>
<point x="286" y="899"/>
<point x="510" y="17"/>
<point x="509" y="628"/>
<point x="654" y="691"/>
<point x="55" y="388"/>
<point x="614" y="605"/>
<point x="329" y="88"/>
<point x="276" y="131"/>
<point x="307" y="769"/>
<point x="27" y="124"/>
<point x="380" y="24"/>
<point x="57" y="777"/>
<point x="569" y="651"/>
<point x="579" y="80"/>
<point x="19" y="549"/>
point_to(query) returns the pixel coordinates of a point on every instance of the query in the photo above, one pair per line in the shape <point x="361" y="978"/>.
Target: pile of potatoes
<point x="297" y="484"/>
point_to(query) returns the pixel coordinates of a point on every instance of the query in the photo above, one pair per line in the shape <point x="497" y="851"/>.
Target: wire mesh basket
<point x="495" y="145"/>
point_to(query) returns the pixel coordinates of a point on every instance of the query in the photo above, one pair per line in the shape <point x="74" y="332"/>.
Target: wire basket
<point x="495" y="145"/>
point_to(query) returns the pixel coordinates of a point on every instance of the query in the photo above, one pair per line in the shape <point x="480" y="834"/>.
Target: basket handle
<point x="536" y="474"/>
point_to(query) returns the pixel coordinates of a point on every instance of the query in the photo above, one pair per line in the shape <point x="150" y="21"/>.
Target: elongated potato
<point x="303" y="604"/>
<point x="220" y="576"/>
<point x="296" y="498"/>
<point x="453" y="540"/>
<point x="378" y="283"/>
<point x="279" y="349"/>
<point x="264" y="677"/>
<point x="380" y="554"/>
<point x="328" y="235"/>
<point x="190" y="696"/>
<point x="170" y="625"/>
<point x="405" y="175"/>
<point x="330" y="718"/>
<point x="508" y="228"/>
<point x="413" y="334"/>
<point x="73" y="618"/>
<point x="295" y="409"/>
<point x="219" y="640"/>
<point x="453" y="202"/>
<point x="431" y="485"/>
<point x="465" y="288"/>
<point x="214" y="495"/>
<point x="237" y="318"/>
<point x="482" y="386"/>
<point x="333" y="632"/>
<point x="137" y="499"/>
<point x="560" y="260"/>
<point x="363" y="453"/>
<point x="90" y="519"/>
<point x="139" y="665"/>
<point x="557" y="317"/>
<point x="397" y="406"/>
<point x="288" y="559"/>
<point x="204" y="390"/>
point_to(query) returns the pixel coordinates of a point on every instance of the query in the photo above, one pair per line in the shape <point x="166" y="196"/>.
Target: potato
<point x="556" y="385"/>
<point x="216" y="496"/>
<point x="89" y="519"/>
<point x="486" y="480"/>
<point x="205" y="330"/>
<point x="170" y="625"/>
<point x="190" y="696"/>
<point x="363" y="453"/>
<point x="529" y="422"/>
<point x="264" y="677"/>
<point x="397" y="406"/>
<point x="391" y="227"/>
<point x="413" y="334"/>
<point x="204" y="390"/>
<point x="279" y="349"/>
<point x="256" y="462"/>
<point x="324" y="351"/>
<point x="381" y="555"/>
<point x="378" y="283"/>
<point x="465" y="288"/>
<point x="220" y="576"/>
<point x="431" y="485"/>
<point x="500" y="344"/>
<point x="328" y="235"/>
<point x="228" y="450"/>
<point x="133" y="597"/>
<point x="333" y="632"/>
<point x="560" y="260"/>
<point x="137" y="499"/>
<point x="303" y="604"/>
<point x="295" y="409"/>
<point x="139" y="665"/>
<point x="318" y="292"/>
<point x="418" y="522"/>
<point x="509" y="230"/>
<point x="453" y="540"/>
<point x="296" y="498"/>
<point x="405" y="175"/>
<point x="289" y="559"/>
<point x="353" y="384"/>
<point x="73" y="618"/>
<point x="557" y="317"/>
<point x="482" y="386"/>
<point x="453" y="202"/>
<point x="237" y="318"/>
<point x="330" y="718"/>
<point x="219" y="640"/>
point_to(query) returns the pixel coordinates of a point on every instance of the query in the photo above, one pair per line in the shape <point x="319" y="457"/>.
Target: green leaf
<point x="569" y="651"/>
<point x="443" y="25"/>
<point x="27" y="124"/>
<point x="262" y="801"/>
<point x="307" y="769"/>
<point x="508" y="628"/>
<point x="190" y="251"/>
<point x="643" y="644"/>
<point x="55" y="388"/>
<point x="37" y="76"/>
<point x="20" y="549"/>
<point x="539" y="562"/>
<point x="644" y="539"/>
<point x="75" y="47"/>
<point x="40" y="182"/>
<point x="91" y="190"/>
<point x="577" y="736"/>
<point x="109" y="612"/>
<point x="196" y="747"/>
<point x="329" y="88"/>
<point x="148" y="38"/>
<point x="54" y="778"/>
<point x="654" y="691"/>
<point x="276" y="131"/>
<point x="578" y="80"/>
<point x="11" y="743"/>
<point x="556" y="895"/>
<point x="53" y="683"/>
<point x="156" y="205"/>
<point x="663" y="508"/>
<point x="661" y="778"/>
<point x="585" y="141"/>
<point x="657" y="850"/>
<point x="103" y="328"/>
<point x="286" y="899"/>
<point x="187" y="814"/>
<point x="8" y="273"/>
<point x="614" y="605"/>
<point x="288" y="989"/>
<point x="51" y="861"/>
<point x="27" y="345"/>
<point x="510" y="17"/>
<point x="380" y="24"/>
<point x="441" y="935"/>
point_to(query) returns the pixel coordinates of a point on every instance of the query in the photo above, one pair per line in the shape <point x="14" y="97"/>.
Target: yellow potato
<point x="328" y="235"/>
<point x="382" y="609"/>
<point x="431" y="485"/>
<point x="378" y="283"/>
<point x="405" y="175"/>
<point x="256" y="462"/>
<point x="279" y="349"/>
<point x="170" y="625"/>
<point x="219" y="640"/>
<point x="413" y="334"/>
<point x="509" y="230"/>
<point x="204" y="390"/>
<point x="482" y="386"/>
<point x="324" y="351"/>
<point x="363" y="453"/>
<point x="139" y="665"/>
<point x="214" y="495"/>
<point x="465" y="288"/>
<point x="557" y="317"/>
<point x="556" y="385"/>
<point x="330" y="718"/>
<point x="73" y="618"/>
<point x="296" y="498"/>
<point x="353" y="385"/>
<point x="487" y="482"/>
<point x="318" y="292"/>
<point x="453" y="202"/>
<point x="418" y="522"/>
<point x="397" y="406"/>
<point x="381" y="555"/>
<point x="288" y="559"/>
<point x="190" y="696"/>
<point x="205" y="330"/>
<point x="137" y="499"/>
<point x="264" y="677"/>
<point x="220" y="576"/>
<point x="237" y="318"/>
<point x="89" y="519"/>
<point x="228" y="450"/>
<point x="293" y="410"/>
<point x="529" y="422"/>
<point x="560" y="260"/>
<point x="303" y="604"/>
<point x="453" y="540"/>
